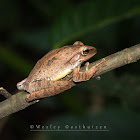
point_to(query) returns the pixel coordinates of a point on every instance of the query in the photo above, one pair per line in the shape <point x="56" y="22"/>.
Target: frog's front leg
<point x="47" y="88"/>
<point x="84" y="76"/>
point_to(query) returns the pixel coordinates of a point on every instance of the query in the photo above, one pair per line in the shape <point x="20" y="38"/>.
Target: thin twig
<point x="5" y="93"/>
<point x="17" y="102"/>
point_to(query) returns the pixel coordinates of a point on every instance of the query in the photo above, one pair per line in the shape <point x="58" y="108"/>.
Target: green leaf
<point x="89" y="16"/>
<point x="14" y="60"/>
<point x="36" y="39"/>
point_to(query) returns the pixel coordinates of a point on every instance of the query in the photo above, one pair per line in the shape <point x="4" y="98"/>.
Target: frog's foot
<point x="47" y="88"/>
<point x="84" y="76"/>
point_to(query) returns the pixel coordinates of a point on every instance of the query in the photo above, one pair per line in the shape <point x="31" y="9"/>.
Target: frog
<point x="49" y="75"/>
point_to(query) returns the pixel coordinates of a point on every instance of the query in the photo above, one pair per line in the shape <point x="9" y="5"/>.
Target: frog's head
<point x="82" y="53"/>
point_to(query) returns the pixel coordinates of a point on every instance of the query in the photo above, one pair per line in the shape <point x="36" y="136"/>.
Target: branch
<point x="14" y="103"/>
<point x="121" y="58"/>
<point x="129" y="55"/>
<point x="5" y="93"/>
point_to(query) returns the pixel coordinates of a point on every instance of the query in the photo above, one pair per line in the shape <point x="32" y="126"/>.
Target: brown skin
<point x="46" y="77"/>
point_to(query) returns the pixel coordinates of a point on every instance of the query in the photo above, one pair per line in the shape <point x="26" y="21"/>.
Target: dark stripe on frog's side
<point x="51" y="61"/>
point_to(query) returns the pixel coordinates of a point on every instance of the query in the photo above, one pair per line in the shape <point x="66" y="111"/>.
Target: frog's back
<point x="41" y="70"/>
<point x="49" y="67"/>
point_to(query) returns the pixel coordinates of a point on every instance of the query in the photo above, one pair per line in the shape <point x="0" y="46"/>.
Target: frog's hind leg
<point x="47" y="88"/>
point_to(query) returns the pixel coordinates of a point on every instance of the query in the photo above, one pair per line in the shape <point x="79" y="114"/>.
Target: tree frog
<point x="47" y="77"/>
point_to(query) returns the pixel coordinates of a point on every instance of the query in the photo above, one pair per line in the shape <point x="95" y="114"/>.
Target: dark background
<point x="31" y="28"/>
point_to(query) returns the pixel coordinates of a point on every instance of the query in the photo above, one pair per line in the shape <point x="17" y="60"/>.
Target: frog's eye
<point x="85" y="52"/>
